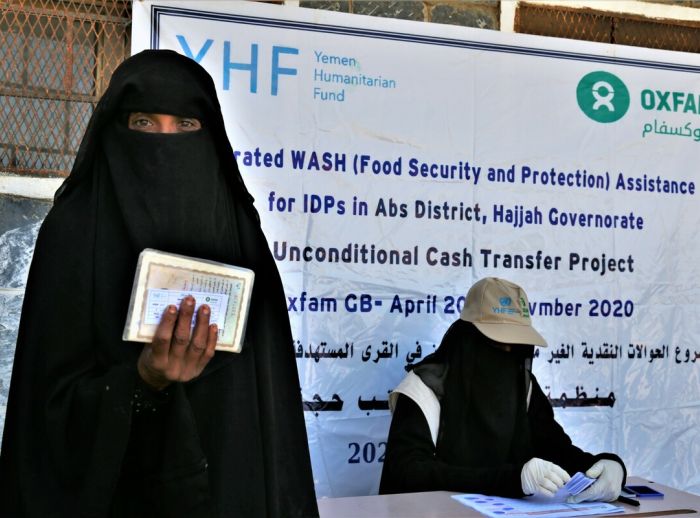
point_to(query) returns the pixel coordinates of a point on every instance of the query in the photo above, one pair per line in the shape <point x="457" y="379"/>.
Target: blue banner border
<point x="159" y="12"/>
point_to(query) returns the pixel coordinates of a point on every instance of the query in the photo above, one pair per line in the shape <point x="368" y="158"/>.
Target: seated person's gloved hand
<point x="541" y="477"/>
<point x="607" y="486"/>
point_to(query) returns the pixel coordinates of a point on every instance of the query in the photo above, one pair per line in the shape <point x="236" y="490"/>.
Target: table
<point x="438" y="504"/>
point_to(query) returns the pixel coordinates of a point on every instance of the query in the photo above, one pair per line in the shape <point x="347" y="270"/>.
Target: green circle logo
<point x="602" y="97"/>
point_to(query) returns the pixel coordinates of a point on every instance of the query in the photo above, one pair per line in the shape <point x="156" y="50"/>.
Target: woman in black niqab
<point x="493" y="419"/>
<point x="84" y="436"/>
<point x="484" y="401"/>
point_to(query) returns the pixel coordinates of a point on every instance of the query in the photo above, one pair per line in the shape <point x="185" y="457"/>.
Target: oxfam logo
<point x="602" y="97"/>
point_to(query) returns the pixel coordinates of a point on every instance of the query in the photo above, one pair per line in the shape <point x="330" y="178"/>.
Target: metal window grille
<point x="56" y="58"/>
<point x="590" y="25"/>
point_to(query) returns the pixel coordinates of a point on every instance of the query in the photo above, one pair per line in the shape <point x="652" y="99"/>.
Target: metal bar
<point x="35" y="93"/>
<point x="56" y="13"/>
<point x="68" y="71"/>
<point x="35" y="149"/>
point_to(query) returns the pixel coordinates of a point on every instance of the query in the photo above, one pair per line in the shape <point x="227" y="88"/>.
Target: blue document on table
<point x="497" y="507"/>
<point x="555" y="507"/>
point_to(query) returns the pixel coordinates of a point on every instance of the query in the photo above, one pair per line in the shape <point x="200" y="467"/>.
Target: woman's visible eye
<point x="162" y="123"/>
<point x="139" y="121"/>
<point x="190" y="124"/>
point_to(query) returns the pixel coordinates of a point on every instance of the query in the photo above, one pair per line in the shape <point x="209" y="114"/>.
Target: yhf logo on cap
<point x="505" y="303"/>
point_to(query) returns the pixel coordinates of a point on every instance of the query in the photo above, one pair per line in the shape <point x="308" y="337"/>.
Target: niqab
<point x="232" y="442"/>
<point x="483" y="400"/>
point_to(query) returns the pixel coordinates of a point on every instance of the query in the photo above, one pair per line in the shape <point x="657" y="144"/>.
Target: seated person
<point x="472" y="418"/>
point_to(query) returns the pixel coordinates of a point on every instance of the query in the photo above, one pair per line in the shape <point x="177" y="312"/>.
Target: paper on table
<point x="497" y="507"/>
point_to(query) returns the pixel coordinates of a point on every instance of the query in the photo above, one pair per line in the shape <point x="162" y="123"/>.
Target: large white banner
<point x="395" y="163"/>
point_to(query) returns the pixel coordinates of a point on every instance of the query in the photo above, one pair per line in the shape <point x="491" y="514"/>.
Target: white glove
<point x="542" y="477"/>
<point x="606" y="488"/>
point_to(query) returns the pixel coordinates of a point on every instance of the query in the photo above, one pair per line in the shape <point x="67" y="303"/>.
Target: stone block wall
<point x="483" y="14"/>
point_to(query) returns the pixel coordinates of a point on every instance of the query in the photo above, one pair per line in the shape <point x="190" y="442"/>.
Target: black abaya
<point x="488" y="428"/>
<point x="232" y="442"/>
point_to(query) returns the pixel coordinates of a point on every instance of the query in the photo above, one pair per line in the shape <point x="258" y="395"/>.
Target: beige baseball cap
<point x="500" y="310"/>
